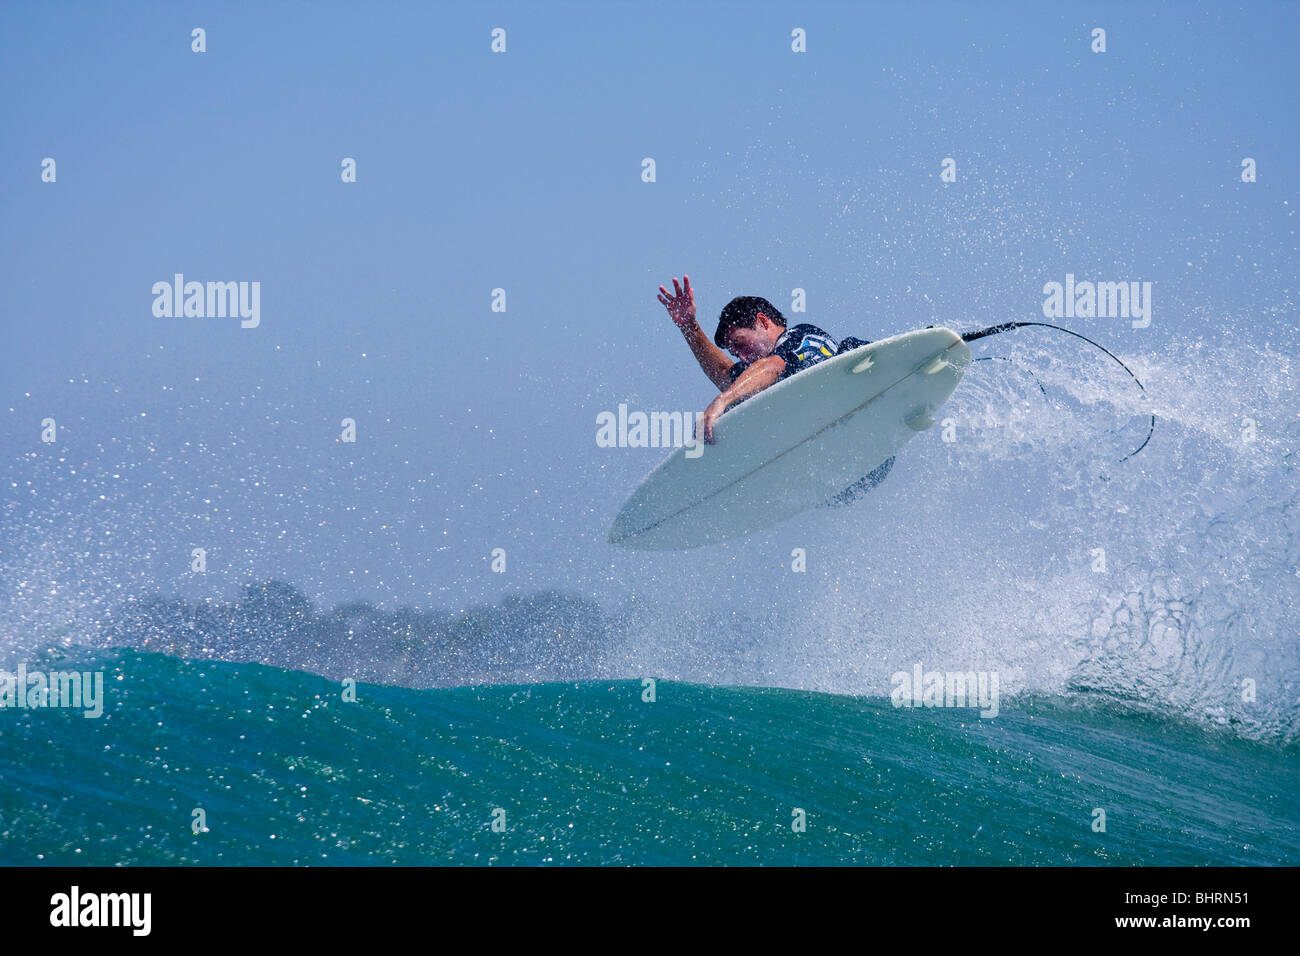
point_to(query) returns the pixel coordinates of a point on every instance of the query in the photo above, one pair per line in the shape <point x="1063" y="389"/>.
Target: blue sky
<point x="775" y="170"/>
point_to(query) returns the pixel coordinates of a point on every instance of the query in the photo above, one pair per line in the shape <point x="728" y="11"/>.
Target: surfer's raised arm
<point x="681" y="307"/>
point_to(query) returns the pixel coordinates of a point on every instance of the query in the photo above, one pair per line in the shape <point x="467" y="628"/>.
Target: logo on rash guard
<point x="818" y="341"/>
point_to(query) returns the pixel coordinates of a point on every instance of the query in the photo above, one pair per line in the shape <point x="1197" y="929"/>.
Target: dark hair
<point x="742" y="311"/>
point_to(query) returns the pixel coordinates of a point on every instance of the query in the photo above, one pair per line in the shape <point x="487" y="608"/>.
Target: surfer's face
<point x="750" y="345"/>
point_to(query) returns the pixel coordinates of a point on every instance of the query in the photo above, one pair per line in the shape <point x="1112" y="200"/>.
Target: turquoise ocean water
<point x="287" y="773"/>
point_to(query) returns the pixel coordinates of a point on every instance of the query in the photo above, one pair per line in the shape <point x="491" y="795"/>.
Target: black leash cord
<point x="1003" y="358"/>
<point x="969" y="337"/>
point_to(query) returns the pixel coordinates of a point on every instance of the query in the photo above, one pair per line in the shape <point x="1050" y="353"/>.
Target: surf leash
<point x="969" y="337"/>
<point x="1003" y="358"/>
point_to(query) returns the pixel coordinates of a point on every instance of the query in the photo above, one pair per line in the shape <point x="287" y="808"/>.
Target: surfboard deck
<point x="795" y="444"/>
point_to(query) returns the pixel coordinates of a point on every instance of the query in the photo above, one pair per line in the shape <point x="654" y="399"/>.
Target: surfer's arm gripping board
<point x="766" y="371"/>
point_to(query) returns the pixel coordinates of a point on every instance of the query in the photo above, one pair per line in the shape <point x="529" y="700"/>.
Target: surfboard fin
<point x="919" y="419"/>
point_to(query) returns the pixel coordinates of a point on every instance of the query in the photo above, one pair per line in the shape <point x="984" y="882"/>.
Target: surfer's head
<point x="749" y="327"/>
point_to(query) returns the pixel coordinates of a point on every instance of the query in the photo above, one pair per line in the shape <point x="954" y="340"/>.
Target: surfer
<point x="766" y="351"/>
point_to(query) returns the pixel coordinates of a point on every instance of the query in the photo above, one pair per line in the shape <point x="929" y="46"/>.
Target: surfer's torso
<point x="801" y="346"/>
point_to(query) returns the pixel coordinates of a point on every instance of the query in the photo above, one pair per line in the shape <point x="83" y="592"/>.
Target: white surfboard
<point x="795" y="444"/>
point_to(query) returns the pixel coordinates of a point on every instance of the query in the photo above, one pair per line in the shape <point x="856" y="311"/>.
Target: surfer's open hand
<point x="704" y="425"/>
<point x="681" y="306"/>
